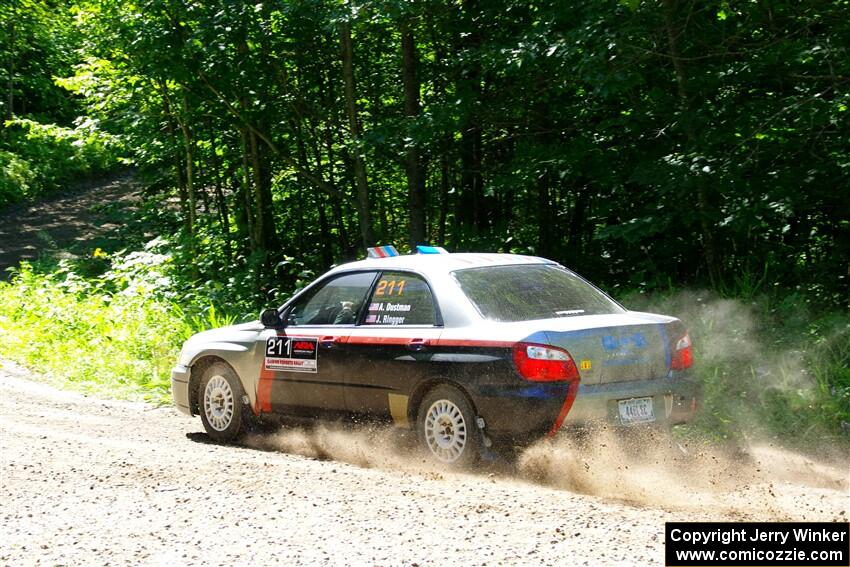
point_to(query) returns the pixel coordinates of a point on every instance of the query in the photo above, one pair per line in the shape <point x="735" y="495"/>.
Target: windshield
<point x="531" y="291"/>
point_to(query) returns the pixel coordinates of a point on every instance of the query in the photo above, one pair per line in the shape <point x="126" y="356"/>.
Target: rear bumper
<point x="674" y="400"/>
<point x="180" y="388"/>
<point x="522" y="410"/>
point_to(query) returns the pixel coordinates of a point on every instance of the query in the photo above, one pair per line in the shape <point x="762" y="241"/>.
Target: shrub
<point x="117" y="334"/>
<point x="17" y="179"/>
<point x="44" y="157"/>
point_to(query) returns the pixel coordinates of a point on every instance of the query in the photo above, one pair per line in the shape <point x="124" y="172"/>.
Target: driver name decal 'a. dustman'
<point x="293" y="354"/>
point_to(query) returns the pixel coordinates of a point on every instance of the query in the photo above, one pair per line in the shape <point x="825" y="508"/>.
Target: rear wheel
<point x="446" y="427"/>
<point x="220" y="400"/>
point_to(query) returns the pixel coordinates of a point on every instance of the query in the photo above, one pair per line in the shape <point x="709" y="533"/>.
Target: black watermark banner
<point x="763" y="544"/>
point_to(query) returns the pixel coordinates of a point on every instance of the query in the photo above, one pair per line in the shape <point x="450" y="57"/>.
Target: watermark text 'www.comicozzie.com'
<point x="804" y="544"/>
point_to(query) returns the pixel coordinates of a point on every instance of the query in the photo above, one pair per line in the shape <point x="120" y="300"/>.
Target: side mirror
<point x="271" y="318"/>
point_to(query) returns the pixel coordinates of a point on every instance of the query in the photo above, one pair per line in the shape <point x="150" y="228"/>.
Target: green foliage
<point x="636" y="142"/>
<point x="17" y="179"/>
<point x="47" y="156"/>
<point x="38" y="41"/>
<point x="116" y="334"/>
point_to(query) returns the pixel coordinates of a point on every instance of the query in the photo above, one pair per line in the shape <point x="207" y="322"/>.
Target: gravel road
<point x="63" y="224"/>
<point x="90" y="481"/>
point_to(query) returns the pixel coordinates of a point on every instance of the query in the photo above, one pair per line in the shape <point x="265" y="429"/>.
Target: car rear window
<point x="531" y="291"/>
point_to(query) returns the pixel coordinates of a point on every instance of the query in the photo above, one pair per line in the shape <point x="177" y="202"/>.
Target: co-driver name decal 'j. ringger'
<point x="294" y="354"/>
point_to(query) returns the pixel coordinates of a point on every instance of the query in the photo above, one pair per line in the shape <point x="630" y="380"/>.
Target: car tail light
<point x="683" y="354"/>
<point x="542" y="363"/>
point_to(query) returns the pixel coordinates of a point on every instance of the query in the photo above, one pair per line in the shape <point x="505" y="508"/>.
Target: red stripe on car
<point x="355" y="340"/>
<point x="359" y="340"/>
<point x="565" y="409"/>
<point x="474" y="343"/>
<point x="264" y="390"/>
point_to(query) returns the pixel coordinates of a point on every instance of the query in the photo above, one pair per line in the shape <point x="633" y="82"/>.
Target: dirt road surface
<point x="90" y="481"/>
<point x="57" y="225"/>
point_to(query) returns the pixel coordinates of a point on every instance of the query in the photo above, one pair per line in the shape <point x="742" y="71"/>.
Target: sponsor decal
<point x="377" y="315"/>
<point x="623" y="349"/>
<point x="612" y="342"/>
<point x="586" y="365"/>
<point x="291" y="354"/>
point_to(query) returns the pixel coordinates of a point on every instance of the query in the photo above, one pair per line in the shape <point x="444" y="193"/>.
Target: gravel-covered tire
<point x="446" y="427"/>
<point x="220" y="402"/>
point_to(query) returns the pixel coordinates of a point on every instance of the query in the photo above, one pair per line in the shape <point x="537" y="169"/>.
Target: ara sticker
<point x="586" y="365"/>
<point x="293" y="354"/>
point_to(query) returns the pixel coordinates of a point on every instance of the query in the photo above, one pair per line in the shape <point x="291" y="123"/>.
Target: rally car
<point x="470" y="350"/>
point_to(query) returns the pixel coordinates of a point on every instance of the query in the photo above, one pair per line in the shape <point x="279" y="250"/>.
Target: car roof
<point x="433" y="264"/>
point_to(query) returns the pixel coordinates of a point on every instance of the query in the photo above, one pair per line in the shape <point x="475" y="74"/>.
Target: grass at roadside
<point x="117" y="334"/>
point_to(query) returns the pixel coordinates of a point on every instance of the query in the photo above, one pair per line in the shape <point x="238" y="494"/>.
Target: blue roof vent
<point x="420" y="249"/>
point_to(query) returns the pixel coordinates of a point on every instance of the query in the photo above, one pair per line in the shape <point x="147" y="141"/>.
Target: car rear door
<point x="304" y="363"/>
<point x="393" y="346"/>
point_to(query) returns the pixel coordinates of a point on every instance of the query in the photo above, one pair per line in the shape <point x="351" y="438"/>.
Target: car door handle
<point x="417" y="345"/>
<point x="327" y="342"/>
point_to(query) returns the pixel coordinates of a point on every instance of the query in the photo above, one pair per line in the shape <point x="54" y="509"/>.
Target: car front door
<point x="392" y="347"/>
<point x="303" y="363"/>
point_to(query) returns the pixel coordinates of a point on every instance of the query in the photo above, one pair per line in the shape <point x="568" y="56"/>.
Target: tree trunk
<point x="326" y="95"/>
<point x="544" y="217"/>
<point x="703" y="202"/>
<point x="247" y="191"/>
<point x="576" y="231"/>
<point x="188" y="146"/>
<point x="444" y="196"/>
<point x="326" y="249"/>
<point x="220" y="201"/>
<point x="366" y="233"/>
<point x="415" y="176"/>
<point x="10" y="79"/>
<point x="472" y="206"/>
<point x="266" y="235"/>
<point x="171" y="129"/>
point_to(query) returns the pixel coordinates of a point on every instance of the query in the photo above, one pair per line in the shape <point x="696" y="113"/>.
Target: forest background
<point x="691" y="157"/>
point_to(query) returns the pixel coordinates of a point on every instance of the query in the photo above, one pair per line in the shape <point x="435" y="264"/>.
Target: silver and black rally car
<point x="469" y="349"/>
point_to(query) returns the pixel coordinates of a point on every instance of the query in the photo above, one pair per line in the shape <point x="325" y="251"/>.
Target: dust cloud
<point x="750" y="375"/>
<point x="365" y="446"/>
<point x="645" y="468"/>
<point x="734" y="465"/>
<point x="650" y="468"/>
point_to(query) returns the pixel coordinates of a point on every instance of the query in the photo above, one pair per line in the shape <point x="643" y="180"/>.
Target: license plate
<point x="636" y="410"/>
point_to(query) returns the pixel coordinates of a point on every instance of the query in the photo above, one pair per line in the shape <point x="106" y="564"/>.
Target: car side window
<point x="400" y="299"/>
<point x="337" y="302"/>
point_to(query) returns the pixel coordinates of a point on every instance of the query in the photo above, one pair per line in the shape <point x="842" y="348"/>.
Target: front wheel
<point x="220" y="398"/>
<point x="446" y="427"/>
